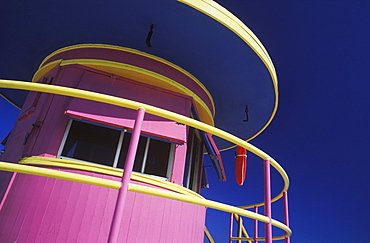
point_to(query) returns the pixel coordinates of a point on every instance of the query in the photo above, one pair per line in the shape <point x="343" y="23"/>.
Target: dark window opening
<point x="91" y="143"/>
<point x="195" y="176"/>
<point x="159" y="151"/>
<point x="107" y="146"/>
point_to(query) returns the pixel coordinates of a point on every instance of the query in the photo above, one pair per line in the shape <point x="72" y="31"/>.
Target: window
<point x="195" y="176"/>
<point x="107" y="146"/>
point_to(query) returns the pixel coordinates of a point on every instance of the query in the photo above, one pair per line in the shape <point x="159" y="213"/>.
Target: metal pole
<point x="268" y="226"/>
<point x="240" y="225"/>
<point x="122" y="192"/>
<point x="231" y="227"/>
<point x="255" y="225"/>
<point x="286" y="213"/>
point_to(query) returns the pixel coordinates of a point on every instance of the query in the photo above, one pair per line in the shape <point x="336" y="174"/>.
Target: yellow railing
<point x="138" y="188"/>
<point x="91" y="180"/>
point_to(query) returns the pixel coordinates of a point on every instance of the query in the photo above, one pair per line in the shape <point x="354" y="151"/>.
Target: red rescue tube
<point x="240" y="164"/>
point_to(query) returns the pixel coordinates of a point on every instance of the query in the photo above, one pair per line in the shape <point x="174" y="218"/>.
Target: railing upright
<point x="267" y="195"/>
<point x="129" y="164"/>
<point x="231" y="227"/>
<point x="286" y="213"/>
<point x="255" y="226"/>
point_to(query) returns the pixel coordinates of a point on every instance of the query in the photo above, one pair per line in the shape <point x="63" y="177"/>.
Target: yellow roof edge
<point x="120" y="48"/>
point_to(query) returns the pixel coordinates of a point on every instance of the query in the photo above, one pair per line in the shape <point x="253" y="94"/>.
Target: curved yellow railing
<point x="97" y="168"/>
<point x="91" y="180"/>
<point x="168" y="115"/>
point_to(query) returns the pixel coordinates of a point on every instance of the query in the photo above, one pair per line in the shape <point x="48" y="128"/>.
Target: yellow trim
<point x="79" y="165"/>
<point x="224" y="17"/>
<point x="151" y="110"/>
<point x="63" y="175"/>
<point x="126" y="49"/>
<point x="71" y="164"/>
<point x="140" y="189"/>
<point x="45" y="69"/>
<point x="230" y="21"/>
<point x="145" y="76"/>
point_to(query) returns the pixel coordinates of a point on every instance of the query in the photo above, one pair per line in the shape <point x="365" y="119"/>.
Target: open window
<point x="107" y="146"/>
<point x="195" y="176"/>
<point x="212" y="150"/>
<point x="194" y="161"/>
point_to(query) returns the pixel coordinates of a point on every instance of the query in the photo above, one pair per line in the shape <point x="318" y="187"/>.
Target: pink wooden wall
<point x="42" y="209"/>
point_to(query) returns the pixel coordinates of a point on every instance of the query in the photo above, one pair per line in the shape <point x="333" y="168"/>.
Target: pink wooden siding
<point x="42" y="209"/>
<point x="178" y="165"/>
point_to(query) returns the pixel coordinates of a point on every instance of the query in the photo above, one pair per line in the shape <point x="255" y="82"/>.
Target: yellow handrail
<point x="89" y="95"/>
<point x="97" y="168"/>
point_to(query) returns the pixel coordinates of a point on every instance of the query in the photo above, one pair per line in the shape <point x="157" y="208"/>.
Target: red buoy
<point x="240" y="164"/>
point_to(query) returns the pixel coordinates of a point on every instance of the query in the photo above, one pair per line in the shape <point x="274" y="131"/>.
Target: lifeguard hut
<point x="109" y="143"/>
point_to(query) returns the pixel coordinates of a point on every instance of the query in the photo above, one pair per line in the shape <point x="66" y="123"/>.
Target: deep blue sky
<point x="320" y="133"/>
